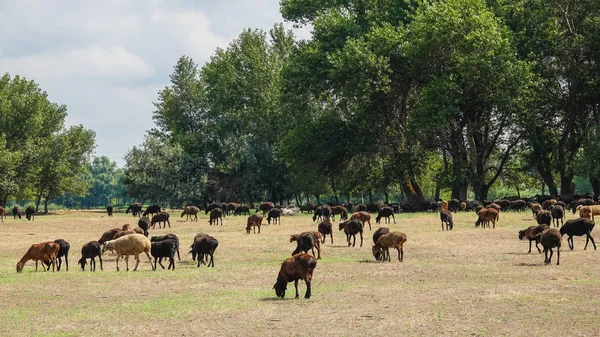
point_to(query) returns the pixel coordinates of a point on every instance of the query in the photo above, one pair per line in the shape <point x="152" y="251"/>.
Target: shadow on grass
<point x="369" y="261"/>
<point x="277" y="299"/>
<point x="524" y="264"/>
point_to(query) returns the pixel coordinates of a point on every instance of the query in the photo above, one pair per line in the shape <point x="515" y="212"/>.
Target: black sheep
<point x="274" y="214"/>
<point x="305" y="243"/>
<point x="109" y="210"/>
<point x="558" y="213"/>
<point x="204" y="244"/>
<point x="578" y="227"/>
<point x="144" y="224"/>
<point x="30" y="213"/>
<point x="544" y="217"/>
<point x="351" y="228"/>
<point x="378" y="233"/>
<point x="318" y="214"/>
<point x="135" y="209"/>
<point x="153" y="209"/>
<point x="325" y="228"/>
<point x="215" y="215"/>
<point x="385" y="212"/>
<point x="170" y="236"/>
<point x="62" y="251"/>
<point x="89" y="251"/>
<point x="446" y="217"/>
<point x="15" y="212"/>
<point x="162" y="217"/>
<point x="165" y="248"/>
<point x="242" y="209"/>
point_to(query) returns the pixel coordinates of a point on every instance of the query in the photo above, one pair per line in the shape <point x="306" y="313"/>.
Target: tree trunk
<point x="438" y="189"/>
<point x="418" y="190"/>
<point x="318" y="196"/>
<point x="595" y="182"/>
<point x="347" y="198"/>
<point x="4" y="199"/>
<point x="460" y="192"/>
<point x="370" y="195"/>
<point x="46" y="205"/>
<point x="409" y="191"/>
<point x="387" y="197"/>
<point x="566" y="185"/>
<point x="481" y="192"/>
<point x="37" y="202"/>
<point x="549" y="181"/>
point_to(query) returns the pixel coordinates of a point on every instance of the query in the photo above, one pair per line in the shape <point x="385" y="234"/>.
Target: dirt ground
<point x="468" y="281"/>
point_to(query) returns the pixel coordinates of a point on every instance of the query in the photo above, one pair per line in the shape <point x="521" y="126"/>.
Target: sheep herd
<point x="125" y="241"/>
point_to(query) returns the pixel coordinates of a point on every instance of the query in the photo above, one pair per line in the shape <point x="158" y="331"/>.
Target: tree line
<point x="410" y="98"/>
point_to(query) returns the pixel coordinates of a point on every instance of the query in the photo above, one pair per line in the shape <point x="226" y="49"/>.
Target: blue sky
<point x="106" y="60"/>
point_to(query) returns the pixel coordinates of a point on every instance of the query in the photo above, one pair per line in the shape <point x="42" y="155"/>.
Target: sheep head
<point x="20" y="267"/>
<point x="108" y="245"/>
<point x="280" y="287"/>
<point x="522" y="234"/>
<point x="376" y="252"/>
<point x="82" y="262"/>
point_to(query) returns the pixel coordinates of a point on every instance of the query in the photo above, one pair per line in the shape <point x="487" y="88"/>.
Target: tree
<point x="472" y="88"/>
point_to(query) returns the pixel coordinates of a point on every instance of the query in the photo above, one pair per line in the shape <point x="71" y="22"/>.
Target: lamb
<point x="40" y="252"/>
<point x="558" y="213"/>
<point x="133" y="244"/>
<point x="351" y="228"/>
<point x="63" y="250"/>
<point x="89" y="251"/>
<point x="485" y="216"/>
<point x="153" y="209"/>
<point x="585" y="212"/>
<point x="15" y="212"/>
<point x="164" y="248"/>
<point x="241" y="210"/>
<point x="307" y="241"/>
<point x="162" y="217"/>
<point x="341" y="210"/>
<point x="535" y="209"/>
<point x="578" y="227"/>
<point x="318" y="214"/>
<point x="446" y="217"/>
<point x="544" y="217"/>
<point x="265" y="207"/>
<point x="550" y="238"/>
<point x="387" y="241"/>
<point x="170" y="236"/>
<point x="378" y="233"/>
<point x="297" y="267"/>
<point x="531" y="233"/>
<point x="204" y="244"/>
<point x="595" y="210"/>
<point x="109" y="210"/>
<point x="255" y="220"/>
<point x="30" y="213"/>
<point x="190" y="211"/>
<point x="275" y="214"/>
<point x="135" y="208"/>
<point x="362" y="216"/>
<point x="231" y="208"/>
<point x="326" y="228"/>
<point x="385" y="212"/>
<point x="144" y="224"/>
<point x="215" y="215"/>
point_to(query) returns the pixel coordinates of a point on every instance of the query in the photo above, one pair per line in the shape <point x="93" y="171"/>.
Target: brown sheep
<point x="297" y="267"/>
<point x="255" y="220"/>
<point x="485" y="216"/>
<point x="551" y="238"/>
<point x="463" y="206"/>
<point x="215" y="215"/>
<point x="385" y="212"/>
<point x="161" y="217"/>
<point x="494" y="206"/>
<point x="304" y="244"/>
<point x="231" y="208"/>
<point x="40" y="252"/>
<point x="585" y="212"/>
<point x="265" y="207"/>
<point x="387" y="241"/>
<point x="444" y="205"/>
<point x="535" y="209"/>
<point x="109" y="235"/>
<point x="531" y="233"/>
<point x="362" y="216"/>
<point x="122" y="233"/>
<point x="595" y="210"/>
<point x="30" y="213"/>
<point x="558" y="213"/>
<point x="190" y="211"/>
<point x="326" y="228"/>
<point x="446" y="217"/>
<point x="341" y="210"/>
<point x="544" y="217"/>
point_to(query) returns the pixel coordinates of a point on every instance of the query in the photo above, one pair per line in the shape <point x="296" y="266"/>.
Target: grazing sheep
<point x="378" y="233"/>
<point x="351" y="228"/>
<point x="144" y="224"/>
<point x="551" y="238"/>
<point x="326" y="228"/>
<point x="109" y="210"/>
<point x="204" y="244"/>
<point x="164" y="249"/>
<point x="326" y="209"/>
<point x="133" y="244"/>
<point x="190" y="211"/>
<point x="558" y="213"/>
<point x="535" y="209"/>
<point x="494" y="206"/>
<point x="162" y="217"/>
<point x="463" y="206"/>
<point x="578" y="227"/>
<point x="89" y="251"/>
<point x="544" y="217"/>
<point x="215" y="215"/>
<point x="30" y="213"/>
<point x="15" y="212"/>
<point x="152" y="209"/>
<point x="446" y="217"/>
<point x="518" y="205"/>
<point x="387" y="241"/>
<point x="275" y="214"/>
<point x="548" y="203"/>
<point x="503" y="203"/>
<point x="582" y="202"/>
<point x="40" y="252"/>
<point x="255" y="220"/>
<point x="485" y="216"/>
<point x="135" y="208"/>
<point x="242" y="209"/>
<point x="339" y="210"/>
<point x="265" y="207"/>
<point x="63" y="250"/>
<point x="531" y="233"/>
<point x="231" y="208"/>
<point x="453" y="205"/>
<point x="109" y="235"/>
<point x="385" y="212"/>
<point x="362" y="216"/>
<point x="361" y="208"/>
<point x="169" y="236"/>
<point x="297" y="267"/>
<point x="307" y="241"/>
<point x="212" y="206"/>
<point x="318" y="214"/>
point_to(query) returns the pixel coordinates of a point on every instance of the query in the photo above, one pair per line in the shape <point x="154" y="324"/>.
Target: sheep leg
<point x="160" y="264"/>
<point x="557" y="256"/>
<point x="399" y="255"/>
<point x="149" y="260"/>
<point x="296" y="285"/>
<point x="67" y="261"/>
<point x="178" y="256"/>
<point x="361" y="239"/>
<point x="331" y="236"/>
<point x="212" y="260"/>
<point x="137" y="262"/>
<point x="442" y="226"/>
<point x="118" y="257"/>
<point x="550" y="257"/>
<point x="36" y="265"/>
<point x="570" y="242"/>
<point x="171" y="262"/>
<point x="394" y="219"/>
<point x="529" y="252"/>
<point x="168" y="222"/>
<point x="99" y="258"/>
<point x="308" y="292"/>
<point x="354" y="242"/>
<point x="53" y="264"/>
<point x="258" y="229"/>
<point x="536" y="246"/>
<point x="92" y="261"/>
<point x="127" y="263"/>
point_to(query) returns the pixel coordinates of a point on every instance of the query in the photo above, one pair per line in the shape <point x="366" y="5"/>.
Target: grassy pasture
<point x="467" y="281"/>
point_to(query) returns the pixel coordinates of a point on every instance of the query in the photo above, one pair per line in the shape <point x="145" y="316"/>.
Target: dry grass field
<point x="464" y="282"/>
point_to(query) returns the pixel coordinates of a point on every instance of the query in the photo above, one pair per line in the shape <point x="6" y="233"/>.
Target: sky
<point x="107" y="59"/>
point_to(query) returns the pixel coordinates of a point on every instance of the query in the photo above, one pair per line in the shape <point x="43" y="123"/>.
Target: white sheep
<point x="133" y="244"/>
